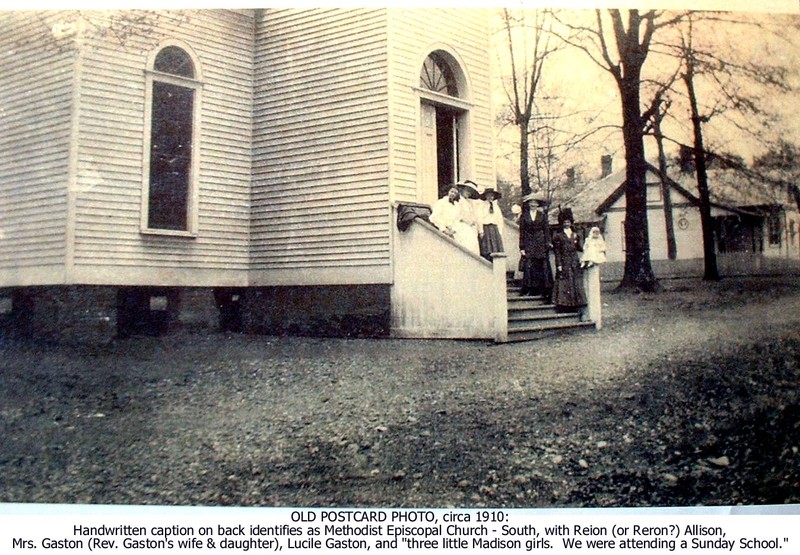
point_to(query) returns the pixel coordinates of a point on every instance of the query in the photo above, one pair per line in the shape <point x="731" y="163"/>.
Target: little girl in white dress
<point x="594" y="249"/>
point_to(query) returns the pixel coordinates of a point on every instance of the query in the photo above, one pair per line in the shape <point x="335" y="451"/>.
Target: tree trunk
<point x="666" y="190"/>
<point x="524" y="160"/>
<point x="710" y="270"/>
<point x="638" y="274"/>
<point x="638" y="268"/>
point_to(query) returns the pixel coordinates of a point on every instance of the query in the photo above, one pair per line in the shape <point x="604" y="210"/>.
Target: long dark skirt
<point x="537" y="276"/>
<point x="491" y="241"/>
<point x="568" y="292"/>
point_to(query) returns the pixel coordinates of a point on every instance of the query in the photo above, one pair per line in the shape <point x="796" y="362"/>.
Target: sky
<point x="588" y="90"/>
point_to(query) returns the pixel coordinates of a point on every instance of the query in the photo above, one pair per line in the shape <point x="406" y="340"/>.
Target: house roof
<point x="728" y="189"/>
<point x="597" y="197"/>
<point x="737" y="190"/>
<point x="585" y="202"/>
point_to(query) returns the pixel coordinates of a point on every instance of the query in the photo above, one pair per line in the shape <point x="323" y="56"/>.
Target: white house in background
<point x="756" y="224"/>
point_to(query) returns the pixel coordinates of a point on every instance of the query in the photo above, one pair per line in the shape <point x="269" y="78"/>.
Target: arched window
<point x="436" y="75"/>
<point x="175" y="61"/>
<point x="171" y="152"/>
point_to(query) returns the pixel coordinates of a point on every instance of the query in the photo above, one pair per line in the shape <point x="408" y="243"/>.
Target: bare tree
<point x="121" y="27"/>
<point x="620" y="44"/>
<point x="780" y="168"/>
<point x="666" y="190"/>
<point x="731" y="88"/>
<point x="530" y="42"/>
<point x="690" y="61"/>
<point x="556" y="146"/>
<point x="658" y="112"/>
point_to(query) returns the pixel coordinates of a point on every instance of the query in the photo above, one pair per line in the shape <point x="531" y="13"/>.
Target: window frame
<point x="460" y="106"/>
<point x="775" y="230"/>
<point x="654" y="193"/>
<point x="195" y="85"/>
<point x="442" y="70"/>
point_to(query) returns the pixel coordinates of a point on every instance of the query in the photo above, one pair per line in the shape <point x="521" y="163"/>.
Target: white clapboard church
<point x="257" y="162"/>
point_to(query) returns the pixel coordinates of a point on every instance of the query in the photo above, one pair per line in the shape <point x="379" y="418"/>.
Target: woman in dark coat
<point x="568" y="292"/>
<point x="534" y="248"/>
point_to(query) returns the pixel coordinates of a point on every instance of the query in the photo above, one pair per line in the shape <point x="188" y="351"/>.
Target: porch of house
<point x="728" y="264"/>
<point x="747" y="244"/>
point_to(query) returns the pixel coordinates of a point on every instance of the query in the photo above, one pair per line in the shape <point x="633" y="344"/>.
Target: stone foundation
<point x="96" y="315"/>
<point x="329" y="311"/>
<point x="64" y="314"/>
<point x="159" y="310"/>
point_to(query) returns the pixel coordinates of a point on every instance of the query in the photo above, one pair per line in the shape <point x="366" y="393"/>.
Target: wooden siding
<point x="320" y="196"/>
<point x="413" y="34"/>
<point x="688" y="241"/>
<point x="111" y="150"/>
<point x="35" y="125"/>
<point x="308" y="130"/>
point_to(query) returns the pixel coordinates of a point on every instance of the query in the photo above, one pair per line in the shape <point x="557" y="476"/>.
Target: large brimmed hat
<point x="564" y="215"/>
<point x="491" y="191"/>
<point x="468" y="189"/>
<point x="537" y="197"/>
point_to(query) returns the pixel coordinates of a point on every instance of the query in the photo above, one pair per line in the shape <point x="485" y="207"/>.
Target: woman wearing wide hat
<point x="534" y="247"/>
<point x="467" y="232"/>
<point x="568" y="292"/>
<point x="490" y="224"/>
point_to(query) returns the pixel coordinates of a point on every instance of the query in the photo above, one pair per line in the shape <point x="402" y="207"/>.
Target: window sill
<point x="169" y="233"/>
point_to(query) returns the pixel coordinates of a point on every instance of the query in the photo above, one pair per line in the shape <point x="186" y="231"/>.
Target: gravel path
<point x="669" y="404"/>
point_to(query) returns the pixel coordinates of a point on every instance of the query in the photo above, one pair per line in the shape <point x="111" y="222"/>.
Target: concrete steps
<point x="529" y="317"/>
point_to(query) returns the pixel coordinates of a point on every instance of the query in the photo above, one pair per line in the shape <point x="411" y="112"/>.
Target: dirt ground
<point x="689" y="396"/>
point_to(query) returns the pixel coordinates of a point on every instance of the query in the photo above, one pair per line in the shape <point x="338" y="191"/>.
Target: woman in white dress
<point x="467" y="227"/>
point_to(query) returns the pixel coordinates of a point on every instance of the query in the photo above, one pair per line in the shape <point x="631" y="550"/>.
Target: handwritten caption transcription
<point x="401" y="530"/>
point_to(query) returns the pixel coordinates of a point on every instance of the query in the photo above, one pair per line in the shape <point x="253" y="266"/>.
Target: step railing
<point x="441" y="289"/>
<point x="500" y="296"/>
<point x="511" y="245"/>
<point x="594" y="307"/>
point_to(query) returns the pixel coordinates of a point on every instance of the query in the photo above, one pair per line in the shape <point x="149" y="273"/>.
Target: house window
<point x="171" y="147"/>
<point x="774" y="230"/>
<point x="653" y="193"/>
<point x="174" y="61"/>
